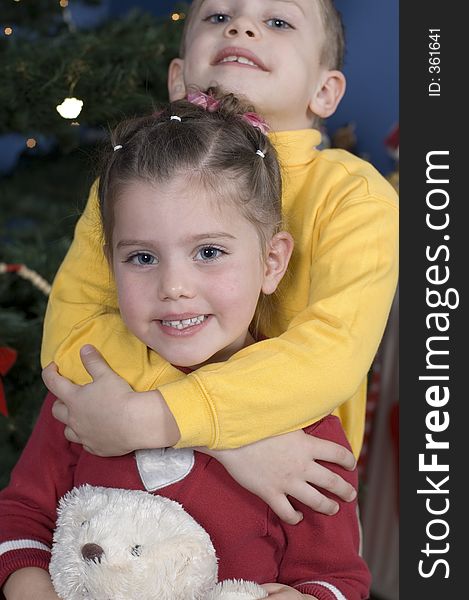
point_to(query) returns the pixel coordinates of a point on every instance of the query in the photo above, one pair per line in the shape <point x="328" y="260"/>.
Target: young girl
<point x="191" y="214"/>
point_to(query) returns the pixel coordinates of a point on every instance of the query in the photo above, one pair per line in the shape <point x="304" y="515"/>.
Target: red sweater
<point x="318" y="557"/>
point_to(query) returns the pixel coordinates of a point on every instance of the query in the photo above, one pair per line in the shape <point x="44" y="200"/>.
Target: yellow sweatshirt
<point x="333" y="308"/>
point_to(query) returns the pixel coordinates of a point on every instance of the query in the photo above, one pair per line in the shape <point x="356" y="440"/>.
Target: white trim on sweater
<point x="337" y="593"/>
<point x="12" y="545"/>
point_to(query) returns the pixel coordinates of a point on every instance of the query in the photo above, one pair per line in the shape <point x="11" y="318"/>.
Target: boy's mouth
<point x="240" y="56"/>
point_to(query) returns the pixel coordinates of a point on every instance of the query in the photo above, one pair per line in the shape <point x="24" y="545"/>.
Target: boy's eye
<point x="208" y="253"/>
<point x="142" y="258"/>
<point x="217" y="18"/>
<point x="278" y="24"/>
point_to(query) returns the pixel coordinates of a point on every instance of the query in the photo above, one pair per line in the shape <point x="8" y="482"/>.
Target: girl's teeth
<point x="184" y="323"/>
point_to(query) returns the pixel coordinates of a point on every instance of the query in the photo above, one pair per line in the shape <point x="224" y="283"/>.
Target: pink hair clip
<point x="256" y="121"/>
<point x="209" y="103"/>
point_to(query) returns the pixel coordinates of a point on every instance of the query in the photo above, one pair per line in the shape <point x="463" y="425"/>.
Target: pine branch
<point x="117" y="70"/>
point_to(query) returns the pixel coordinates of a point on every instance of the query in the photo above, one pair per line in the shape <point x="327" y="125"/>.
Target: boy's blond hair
<point x="333" y="51"/>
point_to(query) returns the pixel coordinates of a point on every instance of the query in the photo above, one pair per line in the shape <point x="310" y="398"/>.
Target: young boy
<point x="285" y="57"/>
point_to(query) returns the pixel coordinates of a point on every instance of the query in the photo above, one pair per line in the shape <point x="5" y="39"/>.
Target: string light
<point x="70" y="108"/>
<point x="178" y="16"/>
<point x="8" y="31"/>
<point x="31" y="143"/>
<point x="63" y="3"/>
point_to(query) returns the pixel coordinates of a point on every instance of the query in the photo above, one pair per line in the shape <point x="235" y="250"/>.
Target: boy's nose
<point x="241" y="26"/>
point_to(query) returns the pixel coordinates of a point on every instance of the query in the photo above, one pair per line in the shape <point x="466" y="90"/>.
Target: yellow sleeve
<point x="321" y="360"/>
<point x="274" y="386"/>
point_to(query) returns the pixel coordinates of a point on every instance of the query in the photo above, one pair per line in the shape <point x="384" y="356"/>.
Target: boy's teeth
<point x="240" y="59"/>
<point x="184" y="323"/>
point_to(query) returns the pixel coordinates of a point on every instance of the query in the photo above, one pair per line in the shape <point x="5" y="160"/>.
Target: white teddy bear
<point x="113" y="544"/>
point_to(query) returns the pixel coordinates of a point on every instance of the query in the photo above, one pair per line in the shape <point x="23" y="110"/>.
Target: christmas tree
<point x="117" y="69"/>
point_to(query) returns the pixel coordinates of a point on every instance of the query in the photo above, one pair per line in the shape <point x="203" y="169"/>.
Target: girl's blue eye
<point x="278" y="24"/>
<point x="143" y="258"/>
<point x="218" y="18"/>
<point x="209" y="253"/>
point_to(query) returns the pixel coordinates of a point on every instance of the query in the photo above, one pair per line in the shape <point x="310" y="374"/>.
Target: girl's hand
<point x="284" y="592"/>
<point x="29" y="583"/>
<point x="107" y="417"/>
<point x="286" y="465"/>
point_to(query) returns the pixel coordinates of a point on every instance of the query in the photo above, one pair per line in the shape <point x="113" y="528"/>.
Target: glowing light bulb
<point x="175" y="17"/>
<point x="31" y="143"/>
<point x="8" y="31"/>
<point x="70" y="108"/>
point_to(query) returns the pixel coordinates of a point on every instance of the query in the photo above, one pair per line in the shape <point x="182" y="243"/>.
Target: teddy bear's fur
<point x="113" y="544"/>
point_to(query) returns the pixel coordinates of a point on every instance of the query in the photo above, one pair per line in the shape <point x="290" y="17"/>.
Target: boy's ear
<point x="176" y="86"/>
<point x="328" y="94"/>
<point x="278" y="254"/>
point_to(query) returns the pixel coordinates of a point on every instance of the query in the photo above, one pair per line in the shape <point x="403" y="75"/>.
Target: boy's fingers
<point x="309" y="496"/>
<point x="55" y="383"/>
<point x="332" y="452"/>
<point x="321" y="477"/>
<point x="284" y="510"/>
<point x="60" y="412"/>
<point x="93" y="362"/>
<point x="71" y="436"/>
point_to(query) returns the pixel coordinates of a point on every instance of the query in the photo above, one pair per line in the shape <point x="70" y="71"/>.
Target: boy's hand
<point x="107" y="416"/>
<point x="284" y="592"/>
<point x="286" y="465"/>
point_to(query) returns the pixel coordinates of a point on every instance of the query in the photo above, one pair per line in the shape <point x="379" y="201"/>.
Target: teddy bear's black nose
<point x="92" y="552"/>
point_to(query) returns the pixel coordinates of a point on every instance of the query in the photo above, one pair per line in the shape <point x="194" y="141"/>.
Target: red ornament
<point x="7" y="360"/>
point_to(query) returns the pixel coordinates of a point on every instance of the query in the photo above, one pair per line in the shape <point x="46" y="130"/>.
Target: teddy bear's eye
<point x="83" y="523"/>
<point x="136" y="550"/>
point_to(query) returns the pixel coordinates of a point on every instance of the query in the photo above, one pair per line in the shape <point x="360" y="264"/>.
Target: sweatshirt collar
<point x="296" y="148"/>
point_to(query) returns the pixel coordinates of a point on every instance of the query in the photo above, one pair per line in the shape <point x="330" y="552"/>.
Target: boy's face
<point x="266" y="50"/>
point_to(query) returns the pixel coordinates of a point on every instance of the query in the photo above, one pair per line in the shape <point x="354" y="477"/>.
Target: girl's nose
<point x="174" y="284"/>
<point x="242" y="26"/>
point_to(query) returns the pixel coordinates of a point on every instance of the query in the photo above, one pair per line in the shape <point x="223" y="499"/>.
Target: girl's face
<point x="188" y="270"/>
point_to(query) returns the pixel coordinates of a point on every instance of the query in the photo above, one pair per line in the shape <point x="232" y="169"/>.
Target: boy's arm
<point x="321" y="359"/>
<point x="322" y="552"/>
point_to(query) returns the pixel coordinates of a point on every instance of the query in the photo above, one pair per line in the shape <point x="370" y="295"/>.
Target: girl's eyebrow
<point x="125" y="243"/>
<point x="212" y="235"/>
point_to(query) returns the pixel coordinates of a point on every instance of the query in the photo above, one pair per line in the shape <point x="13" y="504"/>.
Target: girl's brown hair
<point x="217" y="148"/>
